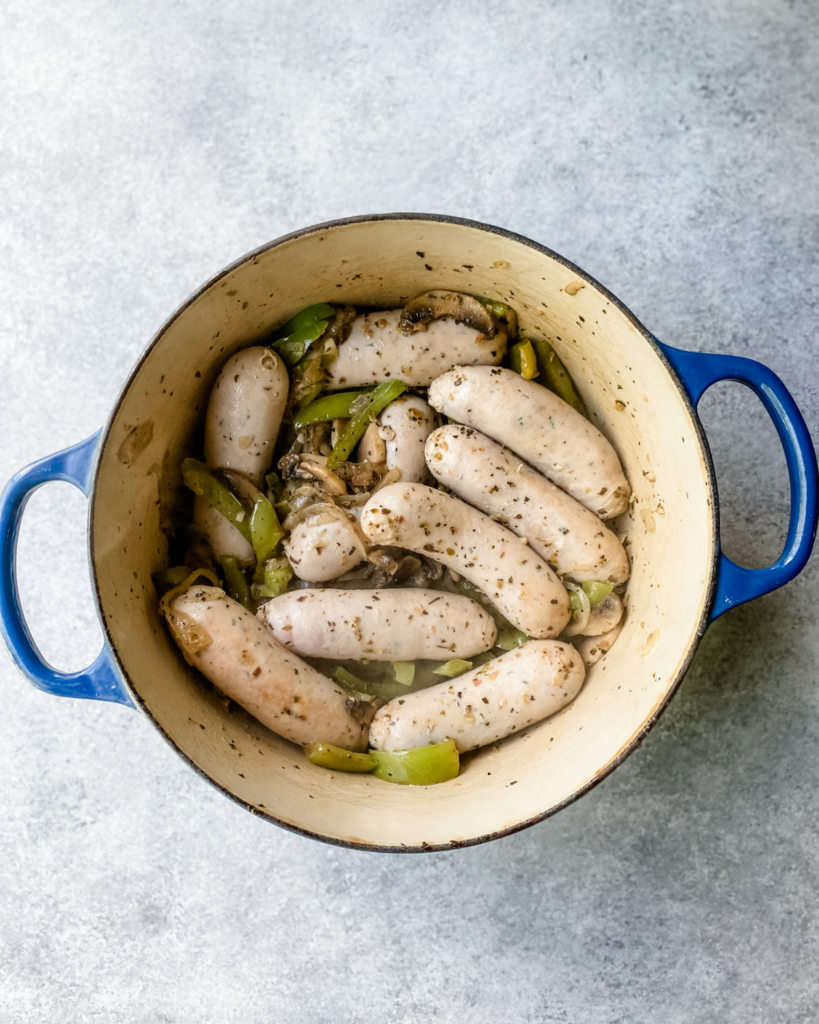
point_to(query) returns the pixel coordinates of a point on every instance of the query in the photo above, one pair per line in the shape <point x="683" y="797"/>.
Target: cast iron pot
<point x="642" y="394"/>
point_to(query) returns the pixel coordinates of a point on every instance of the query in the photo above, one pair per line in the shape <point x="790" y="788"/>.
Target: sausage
<point x="220" y="533"/>
<point x="539" y="427"/>
<point x="324" y="545"/>
<point x="247" y="664"/>
<point x="592" y="649"/>
<point x="516" y="580"/>
<point x="377" y="349"/>
<point x="492" y="478"/>
<point x="410" y="420"/>
<point x="482" y="706"/>
<point x="245" y="412"/>
<point x="379" y="625"/>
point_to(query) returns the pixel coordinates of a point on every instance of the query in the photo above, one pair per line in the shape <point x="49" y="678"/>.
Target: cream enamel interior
<point x="632" y="398"/>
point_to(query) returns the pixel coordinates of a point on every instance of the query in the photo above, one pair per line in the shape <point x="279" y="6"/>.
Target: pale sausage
<point x="324" y="545"/>
<point x="482" y="706"/>
<point x="245" y="412"/>
<point x="516" y="580"/>
<point x="247" y="664"/>
<point x="539" y="427"/>
<point x="492" y="478"/>
<point x="220" y="533"/>
<point x="407" y="422"/>
<point x="593" y="648"/>
<point x="377" y="350"/>
<point x="379" y="625"/>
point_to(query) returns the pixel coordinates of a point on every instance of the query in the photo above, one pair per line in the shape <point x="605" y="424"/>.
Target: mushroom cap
<point x="434" y="305"/>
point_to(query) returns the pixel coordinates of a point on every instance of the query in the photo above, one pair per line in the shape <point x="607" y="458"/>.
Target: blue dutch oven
<point x="642" y="394"/>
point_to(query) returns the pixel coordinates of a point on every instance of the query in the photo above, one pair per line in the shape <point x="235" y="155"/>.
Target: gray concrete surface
<point x="670" y="150"/>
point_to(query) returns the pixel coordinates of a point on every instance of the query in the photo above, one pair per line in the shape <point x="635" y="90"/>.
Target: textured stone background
<point x="669" y="149"/>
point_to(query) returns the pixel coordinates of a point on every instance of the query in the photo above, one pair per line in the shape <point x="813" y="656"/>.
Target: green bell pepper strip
<point x="498" y="309"/>
<point x="554" y="376"/>
<point x="353" y="432"/>
<point x="201" y="481"/>
<point x="309" y="396"/>
<point x="235" y="581"/>
<point x="509" y="639"/>
<point x="404" y="672"/>
<point x="424" y="766"/>
<point x="276" y="490"/>
<point x="265" y="529"/>
<point x="294" y="338"/>
<point x="371" y="688"/>
<point x="349" y="681"/>
<point x="329" y="756"/>
<point x="291" y="350"/>
<point x="523" y="360"/>
<point x="276" y="574"/>
<point x="576" y="602"/>
<point x="484" y="658"/>
<point x="332" y="407"/>
<point x="596" y="592"/>
<point x="306" y="318"/>
<point x="455" y="667"/>
<point x="172" y="577"/>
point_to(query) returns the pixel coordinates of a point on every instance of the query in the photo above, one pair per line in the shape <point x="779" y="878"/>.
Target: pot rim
<point x="647" y="336"/>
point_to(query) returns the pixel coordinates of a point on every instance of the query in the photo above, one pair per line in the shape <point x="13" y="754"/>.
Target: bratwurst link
<point x="247" y="664"/>
<point x="539" y="427"/>
<point x="245" y="412"/>
<point x="516" y="580"/>
<point x="507" y="694"/>
<point x="407" y="422"/>
<point x="377" y="348"/>
<point x="561" y="530"/>
<point x="379" y="625"/>
<point x="324" y="545"/>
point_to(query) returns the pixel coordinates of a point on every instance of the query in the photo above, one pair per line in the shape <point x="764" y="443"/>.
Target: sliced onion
<point x="323" y="508"/>
<point x="352" y="500"/>
<point x="392" y="476"/>
<point x="573" y="568"/>
<point x="190" y="637"/>
<point x="301" y="509"/>
<point x="580" y="620"/>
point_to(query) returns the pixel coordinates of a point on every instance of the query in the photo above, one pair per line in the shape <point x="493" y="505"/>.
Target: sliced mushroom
<point x="383" y="558"/>
<point x="328" y="481"/>
<point x="361" y="475"/>
<point x="364" y="709"/>
<point x="244" y="489"/>
<point x="434" y="305"/>
<point x="312" y="468"/>
<point x="426" y="574"/>
<point x="604" y="616"/>
<point x="393" y="565"/>
<point x="317" y="439"/>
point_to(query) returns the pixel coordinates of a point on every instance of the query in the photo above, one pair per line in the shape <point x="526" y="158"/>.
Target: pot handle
<point x="697" y="372"/>
<point x="100" y="681"/>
